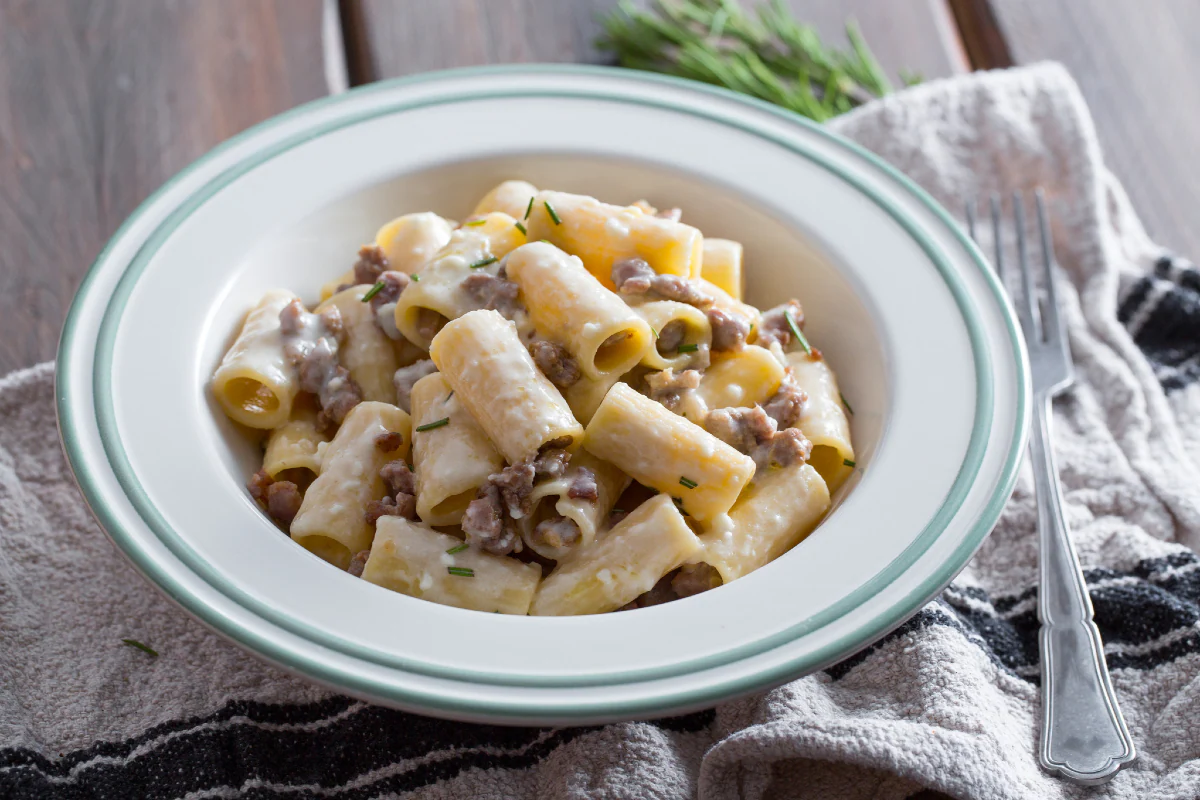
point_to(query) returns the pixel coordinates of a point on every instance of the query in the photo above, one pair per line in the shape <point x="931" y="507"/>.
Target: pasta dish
<point x="559" y="406"/>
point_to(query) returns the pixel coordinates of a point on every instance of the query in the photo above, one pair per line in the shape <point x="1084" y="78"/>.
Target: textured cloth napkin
<point x="949" y="701"/>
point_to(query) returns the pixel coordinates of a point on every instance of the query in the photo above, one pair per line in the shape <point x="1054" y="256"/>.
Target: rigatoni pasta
<point x="558" y="406"/>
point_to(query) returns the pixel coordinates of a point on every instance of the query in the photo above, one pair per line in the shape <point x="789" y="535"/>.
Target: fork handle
<point x="1084" y="737"/>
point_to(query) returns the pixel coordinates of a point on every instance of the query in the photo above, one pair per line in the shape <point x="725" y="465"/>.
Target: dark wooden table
<point x="102" y="100"/>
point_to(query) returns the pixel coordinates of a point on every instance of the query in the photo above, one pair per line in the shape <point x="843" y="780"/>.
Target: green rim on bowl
<point x="358" y="683"/>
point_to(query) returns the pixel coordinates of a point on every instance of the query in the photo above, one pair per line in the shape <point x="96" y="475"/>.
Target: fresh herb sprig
<point x="147" y="649"/>
<point x="767" y="54"/>
<point x="428" y="426"/>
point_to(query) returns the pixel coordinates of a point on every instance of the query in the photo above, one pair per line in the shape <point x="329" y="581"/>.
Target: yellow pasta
<point x="331" y="522"/>
<point x="255" y="384"/>
<point x="494" y="377"/>
<point x="366" y="352"/>
<point x="663" y="316"/>
<point x="770" y="518"/>
<point x="741" y="378"/>
<point x="509" y="197"/>
<point x="620" y="564"/>
<point x="668" y="453"/>
<point x="294" y="449"/>
<point x="568" y="305"/>
<point x="823" y="421"/>
<point x="452" y="460"/>
<point x="407" y="242"/>
<point x="722" y="265"/>
<point x="412" y="559"/>
<point x="602" y="234"/>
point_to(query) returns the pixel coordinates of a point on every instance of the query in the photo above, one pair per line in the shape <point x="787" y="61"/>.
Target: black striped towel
<point x="948" y="701"/>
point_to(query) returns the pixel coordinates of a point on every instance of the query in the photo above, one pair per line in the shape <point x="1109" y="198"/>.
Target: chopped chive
<point x="688" y="348"/>
<point x="483" y="262"/>
<point x="447" y="400"/>
<point x="796" y="332"/>
<point x="473" y="223"/>
<point x="521" y="228"/>
<point x="428" y="426"/>
<point x="655" y="332"/>
<point x="462" y="572"/>
<point x="617" y="511"/>
<point x="553" y="214"/>
<point x="847" y="405"/>
<point x="416" y="278"/>
<point x="544" y="241"/>
<point x="688" y="482"/>
<point x="150" y="651"/>
<point x="458" y="548"/>
<point x="848" y="462"/>
<point x="374" y="290"/>
<point x="751" y="328"/>
<point x="528" y="208"/>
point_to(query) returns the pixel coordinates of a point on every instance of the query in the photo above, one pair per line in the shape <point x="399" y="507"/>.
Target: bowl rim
<point x="297" y="659"/>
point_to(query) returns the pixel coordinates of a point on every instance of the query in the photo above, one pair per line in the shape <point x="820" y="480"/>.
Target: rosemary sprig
<point x="767" y="54"/>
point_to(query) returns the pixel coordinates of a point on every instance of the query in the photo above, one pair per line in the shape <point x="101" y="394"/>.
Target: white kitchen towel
<point x="949" y="701"/>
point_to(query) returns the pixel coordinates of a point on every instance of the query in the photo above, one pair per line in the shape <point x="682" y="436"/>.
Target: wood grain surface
<point x="103" y="100"/>
<point x="389" y="38"/>
<point x="1135" y="63"/>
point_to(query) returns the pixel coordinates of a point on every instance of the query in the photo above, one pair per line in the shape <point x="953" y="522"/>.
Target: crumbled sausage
<point x="387" y="442"/>
<point x="695" y="578"/>
<point x="754" y="433"/>
<point x="583" y="486"/>
<point x="670" y="389"/>
<point x="311" y="343"/>
<point x="671" y="336"/>
<point x="402" y="489"/>
<point x="634" y="276"/>
<point x="729" y="331"/>
<point x="556" y="363"/>
<point x="486" y="525"/>
<point x="370" y="265"/>
<point x="557" y="531"/>
<point x="358" y="563"/>
<point x="616" y="517"/>
<point x="429" y="322"/>
<point x="660" y="593"/>
<point x="407" y="377"/>
<point x="774" y="325"/>
<point x="556" y="444"/>
<point x="281" y="499"/>
<point x="394" y="284"/>
<point x="495" y="293"/>
<point x="787" y="404"/>
<point x="515" y="483"/>
<point x="551" y="463"/>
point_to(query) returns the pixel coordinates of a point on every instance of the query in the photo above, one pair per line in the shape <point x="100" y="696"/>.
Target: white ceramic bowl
<point x="897" y="299"/>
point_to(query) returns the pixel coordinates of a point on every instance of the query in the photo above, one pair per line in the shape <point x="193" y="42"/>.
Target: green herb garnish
<point x="475" y="222"/>
<point x="150" y="651"/>
<point x="688" y="348"/>
<point x="847" y="405"/>
<point x="652" y="330"/>
<point x="462" y="572"/>
<point x="551" y="212"/>
<point x="521" y="228"/>
<point x="796" y="332"/>
<point x="765" y="53"/>
<point x="483" y="262"/>
<point x="374" y="290"/>
<point x="428" y="426"/>
<point x="848" y="462"/>
<point x="447" y="400"/>
<point x="528" y="208"/>
<point x="458" y="548"/>
<point x="416" y="278"/>
<point x="688" y="482"/>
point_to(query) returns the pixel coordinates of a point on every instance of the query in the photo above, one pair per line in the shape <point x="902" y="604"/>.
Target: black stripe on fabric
<point x="367" y="740"/>
<point x="1133" y="300"/>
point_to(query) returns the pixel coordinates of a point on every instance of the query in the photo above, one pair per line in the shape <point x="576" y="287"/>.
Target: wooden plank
<point x="103" y="100"/>
<point x="1134" y="62"/>
<point x="386" y="39"/>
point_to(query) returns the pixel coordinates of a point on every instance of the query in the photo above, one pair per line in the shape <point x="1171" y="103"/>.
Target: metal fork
<point x="1084" y="737"/>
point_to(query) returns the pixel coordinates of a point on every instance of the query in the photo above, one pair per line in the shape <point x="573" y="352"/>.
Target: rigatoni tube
<point x="620" y="564"/>
<point x="568" y="305"/>
<point x="823" y="421"/>
<point x="776" y="512"/>
<point x="411" y="559"/>
<point x="494" y="376"/>
<point x="331" y="522"/>
<point x="741" y="378"/>
<point x="666" y="452"/>
<point x="722" y="265"/>
<point x="451" y="461"/>
<point x="367" y="352"/>
<point x="255" y="384"/>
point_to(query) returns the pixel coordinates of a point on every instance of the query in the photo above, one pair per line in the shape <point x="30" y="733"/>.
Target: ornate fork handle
<point x="1084" y="737"/>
